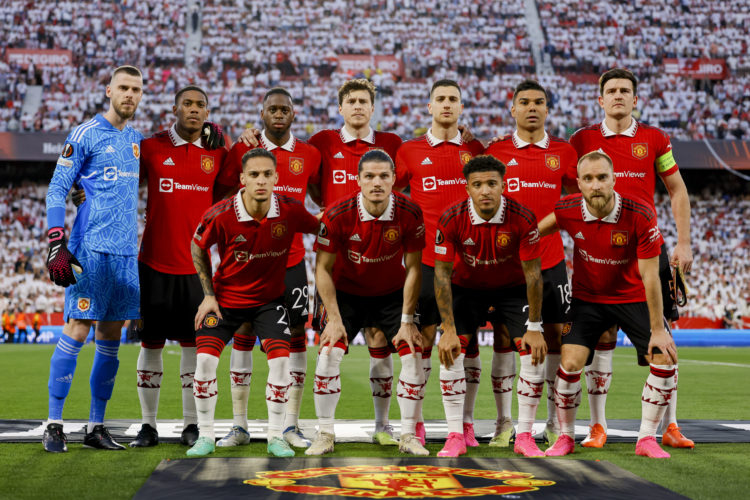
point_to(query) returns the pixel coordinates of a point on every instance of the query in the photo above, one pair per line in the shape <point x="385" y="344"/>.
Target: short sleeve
<point x="206" y="233"/>
<point x="326" y="239"/>
<point x="649" y="236"/>
<point x="665" y="163"/>
<point x="403" y="175"/>
<point x="445" y="247"/>
<point x="529" y="248"/>
<point x="415" y="241"/>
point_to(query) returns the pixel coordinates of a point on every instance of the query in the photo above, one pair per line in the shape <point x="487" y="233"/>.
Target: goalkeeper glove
<point x="60" y="262"/>
<point x="212" y="135"/>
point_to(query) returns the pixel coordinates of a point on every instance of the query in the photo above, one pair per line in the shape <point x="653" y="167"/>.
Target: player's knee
<point x="78" y="329"/>
<point x="375" y="337"/>
<point x="428" y="336"/>
<point x="609" y="336"/>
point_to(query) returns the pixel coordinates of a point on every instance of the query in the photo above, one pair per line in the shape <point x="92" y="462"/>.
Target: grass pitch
<point x="710" y="388"/>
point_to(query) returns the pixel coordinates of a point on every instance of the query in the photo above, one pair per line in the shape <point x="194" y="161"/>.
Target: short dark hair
<point x="444" y="83"/>
<point x="128" y="70"/>
<point x="375" y="156"/>
<point x="484" y="163"/>
<point x="594" y="156"/>
<point x="616" y="73"/>
<point x="357" y="84"/>
<point x="530" y="85"/>
<point x="257" y="153"/>
<point x="188" y="88"/>
<point x="277" y="90"/>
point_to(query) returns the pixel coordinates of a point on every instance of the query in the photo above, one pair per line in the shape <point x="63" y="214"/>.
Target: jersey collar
<point x="630" y="131"/>
<point x="366" y="216"/>
<point x="611" y="217"/>
<point x="434" y="141"/>
<point x="498" y="218"/>
<point x="520" y="143"/>
<point x="270" y="146"/>
<point x="241" y="212"/>
<point x="346" y="137"/>
<point x="179" y="141"/>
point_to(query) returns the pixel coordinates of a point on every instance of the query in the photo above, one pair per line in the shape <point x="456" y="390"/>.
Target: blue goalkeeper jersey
<point x="104" y="161"/>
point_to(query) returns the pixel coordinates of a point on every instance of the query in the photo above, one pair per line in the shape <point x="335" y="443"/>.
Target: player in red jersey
<point x="254" y="231"/>
<point x="487" y="255"/>
<point x="296" y="163"/>
<point x="362" y="282"/>
<point x="615" y="282"/>
<point x="431" y="166"/>
<point x="640" y="153"/>
<point x="538" y="166"/>
<point x="183" y="177"/>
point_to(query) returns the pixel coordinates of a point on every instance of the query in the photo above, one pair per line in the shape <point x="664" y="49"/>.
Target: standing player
<point x="296" y="162"/>
<point x="640" y="153"/>
<point x="102" y="155"/>
<point x="538" y="166"/>
<point x="21" y="327"/>
<point x="36" y="324"/>
<point x="615" y="282"/>
<point x="9" y="326"/>
<point x="183" y="178"/>
<point x="253" y="231"/>
<point x="431" y="166"/>
<point x="487" y="255"/>
<point x="359" y="274"/>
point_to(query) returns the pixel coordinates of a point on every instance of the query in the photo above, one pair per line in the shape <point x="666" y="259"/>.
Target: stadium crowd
<point x="484" y="46"/>
<point x="719" y="284"/>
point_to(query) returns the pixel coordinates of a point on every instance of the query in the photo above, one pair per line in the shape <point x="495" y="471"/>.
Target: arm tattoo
<point x="443" y="293"/>
<point x="203" y="267"/>
<point x="532" y="270"/>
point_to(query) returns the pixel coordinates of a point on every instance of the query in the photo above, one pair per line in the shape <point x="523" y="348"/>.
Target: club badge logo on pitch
<point x="640" y="150"/>
<point x="399" y="481"/>
<point x="207" y="163"/>
<point x="84" y="304"/>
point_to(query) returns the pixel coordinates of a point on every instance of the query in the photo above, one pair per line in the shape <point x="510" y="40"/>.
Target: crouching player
<point x="253" y="231"/>
<point x="362" y="283"/>
<point x="615" y="282"/>
<point x="487" y="255"/>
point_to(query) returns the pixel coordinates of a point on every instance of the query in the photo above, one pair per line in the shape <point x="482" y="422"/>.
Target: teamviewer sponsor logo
<point x="110" y="173"/>
<point x="166" y="185"/>
<point x="513" y="184"/>
<point x="429" y="184"/>
<point x="339" y="176"/>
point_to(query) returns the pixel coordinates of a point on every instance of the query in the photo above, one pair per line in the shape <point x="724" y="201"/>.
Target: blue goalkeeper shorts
<point x="107" y="290"/>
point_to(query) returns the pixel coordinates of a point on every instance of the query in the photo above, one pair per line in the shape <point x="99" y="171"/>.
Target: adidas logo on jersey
<point x="67" y="379"/>
<point x="427" y="161"/>
<point x="110" y="149"/>
<point x="512" y="162"/>
<point x="168" y="161"/>
<point x="579" y="236"/>
<point x="355" y="237"/>
<point x="338" y="155"/>
<point x="240" y="239"/>
<point x="468" y="242"/>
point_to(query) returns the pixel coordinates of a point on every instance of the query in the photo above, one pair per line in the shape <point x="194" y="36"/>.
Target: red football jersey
<point x="296" y="162"/>
<point x="606" y="251"/>
<point x="639" y="154"/>
<point x="487" y="254"/>
<point x="369" y="251"/>
<point x="253" y="254"/>
<point x="534" y="177"/>
<point x="181" y="178"/>
<point x="433" y="170"/>
<point x="340" y="153"/>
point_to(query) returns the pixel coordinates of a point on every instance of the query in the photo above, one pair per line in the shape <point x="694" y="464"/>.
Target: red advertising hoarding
<point x="359" y="63"/>
<point x="699" y="69"/>
<point x="40" y="57"/>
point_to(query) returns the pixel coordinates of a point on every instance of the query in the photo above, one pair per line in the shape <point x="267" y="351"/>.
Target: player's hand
<point x="449" y="348"/>
<point x="212" y="135"/>
<point x="466" y="134"/>
<point x="60" y="262"/>
<point x="78" y="195"/>
<point x="663" y="341"/>
<point x="495" y="139"/>
<point x="533" y="342"/>
<point x="682" y="256"/>
<point x="408" y="333"/>
<point x="332" y="333"/>
<point x="208" y="306"/>
<point x="250" y="137"/>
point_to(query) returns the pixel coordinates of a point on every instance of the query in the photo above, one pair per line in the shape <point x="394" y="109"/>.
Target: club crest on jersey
<point x="136" y="150"/>
<point x="241" y="255"/>
<point x="566" y="328"/>
<point x="84" y="304"/>
<point x="210" y="321"/>
<point x="503" y="239"/>
<point x="640" y="150"/>
<point x="296" y="165"/>
<point x="278" y="229"/>
<point x="465" y="156"/>
<point x="619" y="238"/>
<point x="391" y="234"/>
<point x="207" y="163"/>
<point x="67" y="150"/>
<point x="552" y="161"/>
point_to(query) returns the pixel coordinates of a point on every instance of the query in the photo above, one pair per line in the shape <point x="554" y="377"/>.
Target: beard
<point x="122" y="113"/>
<point x="600" y="202"/>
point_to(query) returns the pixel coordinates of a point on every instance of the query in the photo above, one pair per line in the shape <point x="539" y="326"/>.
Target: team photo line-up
<point x="434" y="231"/>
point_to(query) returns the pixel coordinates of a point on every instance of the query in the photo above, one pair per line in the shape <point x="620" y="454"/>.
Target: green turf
<point x="26" y="471"/>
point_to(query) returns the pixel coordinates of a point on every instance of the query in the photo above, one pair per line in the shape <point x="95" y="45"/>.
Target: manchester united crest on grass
<point x="640" y="150"/>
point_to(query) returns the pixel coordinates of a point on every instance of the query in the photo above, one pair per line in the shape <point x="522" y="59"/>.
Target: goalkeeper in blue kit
<point x="98" y="266"/>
